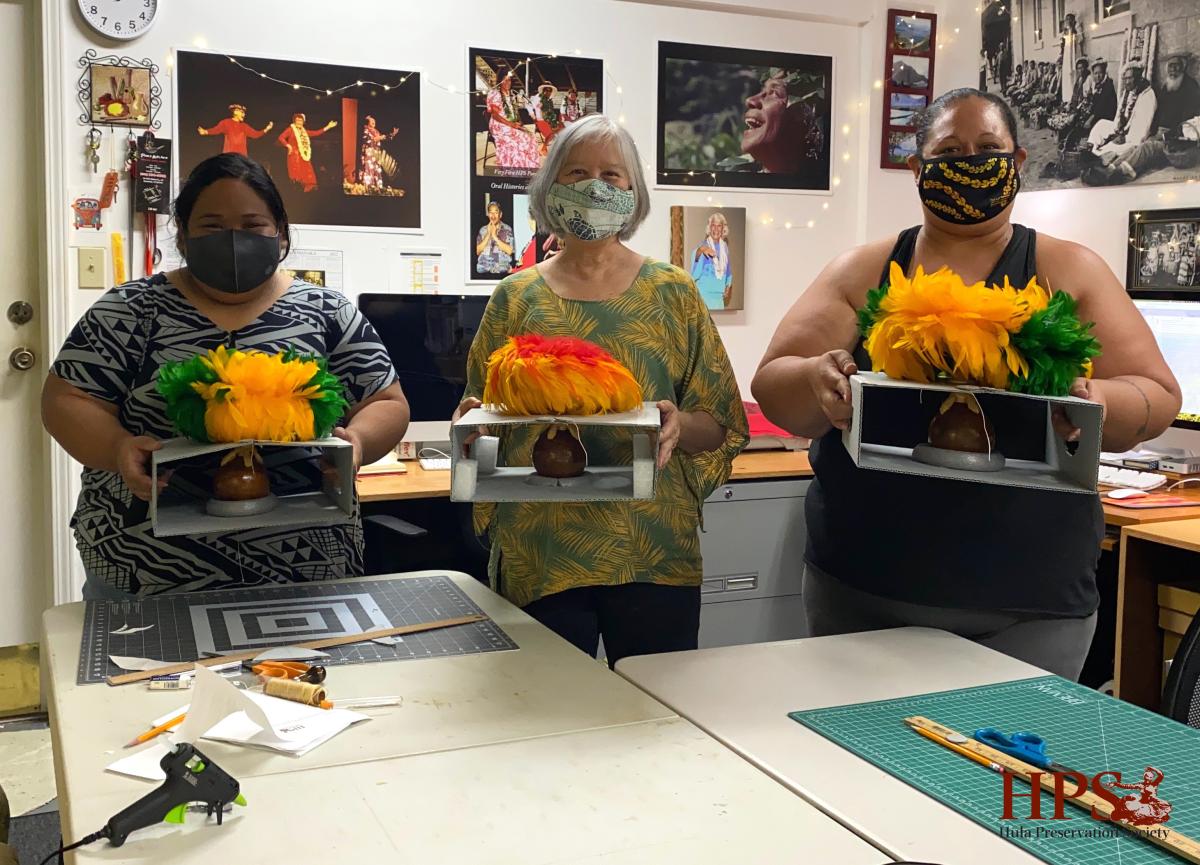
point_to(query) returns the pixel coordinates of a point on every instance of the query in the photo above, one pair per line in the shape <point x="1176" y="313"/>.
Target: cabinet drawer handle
<point x="741" y="584"/>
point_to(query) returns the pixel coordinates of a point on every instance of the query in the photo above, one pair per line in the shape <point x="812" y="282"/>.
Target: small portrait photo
<point x="1164" y="251"/>
<point x="710" y="243"/>
<point x="905" y="107"/>
<point x="120" y="94"/>
<point x="312" y="277"/>
<point x="910" y="72"/>
<point x="911" y="33"/>
<point x="495" y="242"/>
<point x="901" y="144"/>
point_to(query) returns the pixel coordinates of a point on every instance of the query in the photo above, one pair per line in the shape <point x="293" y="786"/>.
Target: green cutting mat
<point x="1084" y="729"/>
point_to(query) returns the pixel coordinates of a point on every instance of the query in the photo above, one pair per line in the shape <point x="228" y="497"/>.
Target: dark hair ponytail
<point x="938" y="107"/>
<point x="232" y="166"/>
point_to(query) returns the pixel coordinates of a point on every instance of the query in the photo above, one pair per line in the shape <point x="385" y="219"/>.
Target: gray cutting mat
<point x="186" y="626"/>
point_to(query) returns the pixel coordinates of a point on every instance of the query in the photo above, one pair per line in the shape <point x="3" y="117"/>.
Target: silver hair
<point x="591" y="128"/>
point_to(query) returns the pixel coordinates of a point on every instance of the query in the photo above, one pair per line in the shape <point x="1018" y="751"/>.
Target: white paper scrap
<point x="125" y="629"/>
<point x="220" y="712"/>
<point x="290" y="653"/>
<point x="126" y="662"/>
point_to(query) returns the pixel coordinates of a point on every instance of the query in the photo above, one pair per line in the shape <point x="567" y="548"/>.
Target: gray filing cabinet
<point x="753" y="548"/>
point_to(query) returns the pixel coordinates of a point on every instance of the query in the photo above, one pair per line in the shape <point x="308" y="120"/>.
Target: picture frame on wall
<point x="1105" y="93"/>
<point x="114" y="90"/>
<point x="1163" y="256"/>
<point x="518" y="101"/>
<point x="342" y="143"/>
<point x="736" y="118"/>
<point x="909" y="55"/>
<point x="710" y="244"/>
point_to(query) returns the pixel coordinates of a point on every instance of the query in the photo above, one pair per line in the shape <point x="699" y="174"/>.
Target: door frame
<point x="56" y="285"/>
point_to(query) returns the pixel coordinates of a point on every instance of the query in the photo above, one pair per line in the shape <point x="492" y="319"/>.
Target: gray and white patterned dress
<point x="114" y="353"/>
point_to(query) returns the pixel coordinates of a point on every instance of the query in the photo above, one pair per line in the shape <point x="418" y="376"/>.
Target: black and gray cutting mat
<point x="189" y="625"/>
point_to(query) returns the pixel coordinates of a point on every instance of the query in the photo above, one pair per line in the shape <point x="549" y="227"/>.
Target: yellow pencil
<point x="161" y="728"/>
<point x="971" y="755"/>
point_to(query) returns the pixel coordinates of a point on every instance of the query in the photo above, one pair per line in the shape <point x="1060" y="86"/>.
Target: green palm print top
<point x="663" y="333"/>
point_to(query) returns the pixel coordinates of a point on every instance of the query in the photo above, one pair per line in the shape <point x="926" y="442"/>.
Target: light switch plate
<point x="91" y="267"/>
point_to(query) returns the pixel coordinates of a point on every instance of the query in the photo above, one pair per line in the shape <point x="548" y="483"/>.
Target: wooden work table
<point x="416" y="483"/>
<point x="1121" y="517"/>
<point x="1150" y="554"/>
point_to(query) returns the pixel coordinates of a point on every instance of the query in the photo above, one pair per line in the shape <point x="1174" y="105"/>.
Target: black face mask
<point x="968" y="190"/>
<point x="232" y="261"/>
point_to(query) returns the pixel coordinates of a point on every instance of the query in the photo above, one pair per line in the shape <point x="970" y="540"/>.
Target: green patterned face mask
<point x="591" y="209"/>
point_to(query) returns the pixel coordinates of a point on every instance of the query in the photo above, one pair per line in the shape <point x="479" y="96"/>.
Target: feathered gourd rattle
<point x="935" y="327"/>
<point x="559" y="376"/>
<point x="230" y="396"/>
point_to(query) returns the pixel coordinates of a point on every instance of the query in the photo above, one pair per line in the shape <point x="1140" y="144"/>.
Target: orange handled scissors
<point x="290" y="670"/>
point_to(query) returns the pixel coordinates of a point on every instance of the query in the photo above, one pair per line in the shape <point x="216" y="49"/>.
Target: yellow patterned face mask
<point x="968" y="190"/>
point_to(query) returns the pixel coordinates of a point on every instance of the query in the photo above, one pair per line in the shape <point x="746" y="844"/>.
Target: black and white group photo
<point x="1105" y="90"/>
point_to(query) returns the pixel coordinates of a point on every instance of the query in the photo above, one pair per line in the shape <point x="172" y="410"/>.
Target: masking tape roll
<point x="298" y="692"/>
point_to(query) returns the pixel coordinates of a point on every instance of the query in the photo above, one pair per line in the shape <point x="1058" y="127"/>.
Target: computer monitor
<point x="1176" y="327"/>
<point x="428" y="337"/>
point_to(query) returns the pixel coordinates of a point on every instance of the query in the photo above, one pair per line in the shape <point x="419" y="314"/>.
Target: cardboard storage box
<point x="331" y="505"/>
<point x="477" y="477"/>
<point x="891" y="417"/>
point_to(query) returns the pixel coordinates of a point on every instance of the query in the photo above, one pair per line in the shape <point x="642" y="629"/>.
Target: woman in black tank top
<point x="1012" y="567"/>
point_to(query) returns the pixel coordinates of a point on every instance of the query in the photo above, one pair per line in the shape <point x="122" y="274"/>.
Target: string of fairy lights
<point x="765" y="220"/>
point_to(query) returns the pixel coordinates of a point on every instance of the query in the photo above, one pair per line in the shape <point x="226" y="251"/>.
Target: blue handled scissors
<point x="1027" y="747"/>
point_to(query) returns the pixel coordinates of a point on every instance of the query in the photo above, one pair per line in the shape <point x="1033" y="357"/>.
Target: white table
<point x="657" y="791"/>
<point x="535" y="755"/>
<point x="742" y="695"/>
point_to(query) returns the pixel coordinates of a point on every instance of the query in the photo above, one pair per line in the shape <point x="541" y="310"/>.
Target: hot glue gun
<point x="191" y="777"/>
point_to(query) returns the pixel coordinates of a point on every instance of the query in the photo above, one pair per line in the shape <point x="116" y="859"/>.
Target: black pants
<point x="633" y="618"/>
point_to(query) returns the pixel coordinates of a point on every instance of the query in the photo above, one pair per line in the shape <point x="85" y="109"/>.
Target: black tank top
<point x="950" y="543"/>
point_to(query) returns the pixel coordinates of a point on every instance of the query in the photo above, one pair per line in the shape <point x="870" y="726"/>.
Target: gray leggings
<point x="1057" y="645"/>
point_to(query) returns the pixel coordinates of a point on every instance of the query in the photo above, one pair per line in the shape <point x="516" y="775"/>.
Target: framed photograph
<point x="912" y="34"/>
<point x="1163" y="254"/>
<point x="900" y="144"/>
<point x="905" y="108"/>
<point x="710" y="243"/>
<point x="343" y="143"/>
<point x="908" y="90"/>
<point x="736" y="118"/>
<point x="911" y="73"/>
<point x="1095" y="90"/>
<point x="519" y="102"/>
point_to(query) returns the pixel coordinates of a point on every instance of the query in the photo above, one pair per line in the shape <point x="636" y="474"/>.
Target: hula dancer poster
<point x="519" y="102"/>
<point x="343" y="143"/>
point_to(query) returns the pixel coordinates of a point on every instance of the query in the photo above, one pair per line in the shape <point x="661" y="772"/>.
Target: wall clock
<point x="119" y="19"/>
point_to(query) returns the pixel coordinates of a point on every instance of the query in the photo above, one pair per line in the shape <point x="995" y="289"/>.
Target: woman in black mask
<point x="100" y="402"/>
<point x="1012" y="568"/>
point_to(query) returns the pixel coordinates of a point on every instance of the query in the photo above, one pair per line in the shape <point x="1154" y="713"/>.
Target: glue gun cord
<point x="57" y="854"/>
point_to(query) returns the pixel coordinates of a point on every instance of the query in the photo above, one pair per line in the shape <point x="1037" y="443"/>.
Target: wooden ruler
<point x="1180" y="845"/>
<point x="328" y="642"/>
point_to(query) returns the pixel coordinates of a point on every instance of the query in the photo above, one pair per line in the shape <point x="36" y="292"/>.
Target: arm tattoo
<point x="1146" y="423"/>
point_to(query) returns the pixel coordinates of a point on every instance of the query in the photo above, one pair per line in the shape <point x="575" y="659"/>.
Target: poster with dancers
<point x="342" y="143"/>
<point x="519" y="102"/>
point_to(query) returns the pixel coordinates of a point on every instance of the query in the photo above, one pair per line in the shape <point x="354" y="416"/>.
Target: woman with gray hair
<point x="625" y="571"/>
